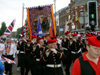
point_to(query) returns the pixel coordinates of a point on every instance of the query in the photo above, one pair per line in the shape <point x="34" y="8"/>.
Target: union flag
<point x="9" y="29"/>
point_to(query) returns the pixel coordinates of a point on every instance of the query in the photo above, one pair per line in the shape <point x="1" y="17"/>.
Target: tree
<point x="3" y="28"/>
<point x="24" y="29"/>
<point x="18" y="32"/>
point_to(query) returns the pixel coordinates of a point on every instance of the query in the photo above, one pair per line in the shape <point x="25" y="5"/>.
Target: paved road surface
<point x="15" y="72"/>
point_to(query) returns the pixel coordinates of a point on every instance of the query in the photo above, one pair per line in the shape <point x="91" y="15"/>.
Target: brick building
<point x="61" y="20"/>
<point x="77" y="13"/>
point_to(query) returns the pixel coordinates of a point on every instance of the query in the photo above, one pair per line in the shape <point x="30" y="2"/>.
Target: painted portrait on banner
<point x="44" y="23"/>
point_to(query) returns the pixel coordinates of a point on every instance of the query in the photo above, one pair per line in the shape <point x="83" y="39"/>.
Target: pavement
<point x="17" y="71"/>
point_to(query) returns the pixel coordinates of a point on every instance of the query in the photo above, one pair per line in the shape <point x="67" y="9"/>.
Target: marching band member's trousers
<point x="8" y="67"/>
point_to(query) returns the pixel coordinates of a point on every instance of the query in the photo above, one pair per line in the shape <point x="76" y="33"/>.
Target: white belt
<point x="22" y="52"/>
<point x="76" y="52"/>
<point x="53" y="66"/>
<point x="73" y="52"/>
<point x="79" y="51"/>
<point x="37" y="59"/>
<point x="64" y="48"/>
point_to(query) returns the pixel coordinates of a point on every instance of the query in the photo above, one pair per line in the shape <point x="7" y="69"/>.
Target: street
<point x="15" y="72"/>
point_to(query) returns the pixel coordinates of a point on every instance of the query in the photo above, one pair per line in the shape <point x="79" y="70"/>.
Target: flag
<point x="9" y="61"/>
<point x="2" y="59"/>
<point x="9" y="29"/>
<point x="39" y="30"/>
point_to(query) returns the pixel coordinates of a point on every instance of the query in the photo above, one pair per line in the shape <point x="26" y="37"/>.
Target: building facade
<point x="76" y="15"/>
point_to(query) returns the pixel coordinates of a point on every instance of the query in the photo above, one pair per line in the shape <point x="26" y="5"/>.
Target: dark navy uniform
<point x="84" y="49"/>
<point x="67" y="61"/>
<point x="18" y="48"/>
<point x="38" y="56"/>
<point x="29" y="59"/>
<point x="53" y="63"/>
<point x="65" y="43"/>
<point x="22" y="57"/>
<point x="75" y="49"/>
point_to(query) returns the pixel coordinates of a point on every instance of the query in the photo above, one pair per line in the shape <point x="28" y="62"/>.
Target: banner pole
<point x="22" y="14"/>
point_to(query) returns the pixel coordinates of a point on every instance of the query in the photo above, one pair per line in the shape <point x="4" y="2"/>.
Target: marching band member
<point x="53" y="58"/>
<point x="75" y="47"/>
<point x="66" y="44"/>
<point x="38" y="55"/>
<point x="22" y="55"/>
<point x="28" y="58"/>
<point x="33" y="45"/>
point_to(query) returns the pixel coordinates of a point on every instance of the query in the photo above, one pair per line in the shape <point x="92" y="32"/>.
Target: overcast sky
<point x="12" y="9"/>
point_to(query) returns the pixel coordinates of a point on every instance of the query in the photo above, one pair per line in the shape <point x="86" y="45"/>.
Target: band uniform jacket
<point x="53" y="63"/>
